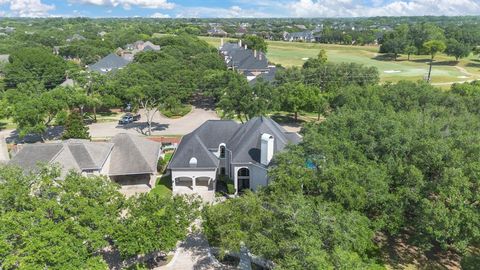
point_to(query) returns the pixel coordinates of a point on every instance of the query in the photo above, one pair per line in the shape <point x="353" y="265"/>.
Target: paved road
<point x="161" y="125"/>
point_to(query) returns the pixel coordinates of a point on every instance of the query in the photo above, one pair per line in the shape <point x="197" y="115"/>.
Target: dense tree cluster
<point x="409" y="39"/>
<point x="47" y="223"/>
<point x="395" y="158"/>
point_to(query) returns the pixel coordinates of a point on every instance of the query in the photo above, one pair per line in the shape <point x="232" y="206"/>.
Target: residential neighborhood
<point x="198" y="135"/>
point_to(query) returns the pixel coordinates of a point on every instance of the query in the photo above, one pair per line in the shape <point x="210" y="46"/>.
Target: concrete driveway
<point x="161" y="125"/>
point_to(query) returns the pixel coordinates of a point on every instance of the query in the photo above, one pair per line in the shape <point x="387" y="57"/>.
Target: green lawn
<point x="178" y="112"/>
<point x="445" y="70"/>
<point x="163" y="186"/>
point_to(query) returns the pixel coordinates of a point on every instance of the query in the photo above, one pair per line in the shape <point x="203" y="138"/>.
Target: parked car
<point x="129" y="118"/>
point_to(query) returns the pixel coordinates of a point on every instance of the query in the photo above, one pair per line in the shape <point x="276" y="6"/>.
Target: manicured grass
<point x="444" y="70"/>
<point x="163" y="186"/>
<point x="177" y="113"/>
<point x="168" y="156"/>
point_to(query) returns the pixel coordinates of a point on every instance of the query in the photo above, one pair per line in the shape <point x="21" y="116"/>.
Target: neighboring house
<point x="126" y="159"/>
<point x="111" y="62"/>
<point x="241" y="31"/>
<point x="223" y="147"/>
<point x="251" y="63"/>
<point x="138" y="46"/>
<point x="306" y="36"/>
<point x="76" y="37"/>
<point x="266" y="76"/>
<point x="216" y="32"/>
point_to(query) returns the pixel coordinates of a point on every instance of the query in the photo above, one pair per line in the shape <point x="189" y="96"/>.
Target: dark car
<point x="129" y="118"/>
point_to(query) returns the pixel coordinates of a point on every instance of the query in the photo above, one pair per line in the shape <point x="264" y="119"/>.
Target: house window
<point x="222" y="151"/>
<point x="222" y="171"/>
<point x="244" y="172"/>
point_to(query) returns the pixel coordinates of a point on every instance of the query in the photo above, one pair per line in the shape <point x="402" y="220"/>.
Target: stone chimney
<point x="266" y="148"/>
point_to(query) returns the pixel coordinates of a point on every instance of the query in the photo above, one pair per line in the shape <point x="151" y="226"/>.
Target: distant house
<point x="217" y="32"/>
<point x="306" y="36"/>
<point x="102" y="33"/>
<point x="241" y="31"/>
<point x="109" y="63"/>
<point x="239" y="58"/>
<point x="243" y="152"/>
<point x="126" y="159"/>
<point x="139" y="46"/>
<point x="75" y="37"/>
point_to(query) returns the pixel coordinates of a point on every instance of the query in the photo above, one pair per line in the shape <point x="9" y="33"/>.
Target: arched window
<point x="193" y="162"/>
<point x="243" y="179"/>
<point x="244" y="172"/>
<point x="222" y="151"/>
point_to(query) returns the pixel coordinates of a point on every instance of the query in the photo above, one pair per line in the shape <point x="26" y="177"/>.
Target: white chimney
<point x="255" y="53"/>
<point x="266" y="149"/>
<point x="260" y="56"/>
<point x="245" y="47"/>
<point x="221" y="42"/>
<point x="239" y="43"/>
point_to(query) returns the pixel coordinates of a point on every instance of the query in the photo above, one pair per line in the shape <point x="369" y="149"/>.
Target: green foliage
<point x="161" y="164"/>
<point x="34" y="64"/>
<point x="409" y="50"/>
<point x="75" y="127"/>
<point x="153" y="223"/>
<point x="457" y="49"/>
<point x="433" y="47"/>
<point x="59" y="224"/>
<point x="255" y="43"/>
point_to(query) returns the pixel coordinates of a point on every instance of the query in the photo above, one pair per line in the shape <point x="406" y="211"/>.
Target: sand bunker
<point x="463" y="77"/>
<point x="305" y="58"/>
<point x="392" y="71"/>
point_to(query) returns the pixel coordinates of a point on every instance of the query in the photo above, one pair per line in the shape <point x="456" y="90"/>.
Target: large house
<point x="109" y="63"/>
<point x="138" y="46"/>
<point x="224" y="147"/>
<point x="251" y="63"/>
<point x="126" y="158"/>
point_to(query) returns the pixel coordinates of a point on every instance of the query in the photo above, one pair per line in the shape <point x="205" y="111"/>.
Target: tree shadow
<point x="202" y="101"/>
<point x="52" y="133"/>
<point x="474" y="65"/>
<point x="142" y="127"/>
<point x="385" y="57"/>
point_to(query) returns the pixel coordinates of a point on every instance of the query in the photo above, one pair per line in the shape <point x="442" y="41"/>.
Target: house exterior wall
<point x="258" y="176"/>
<point x="194" y="182"/>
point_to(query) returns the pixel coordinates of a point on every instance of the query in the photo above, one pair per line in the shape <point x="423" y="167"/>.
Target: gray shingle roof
<point x="245" y="144"/>
<point x="109" y="63"/>
<point x="133" y="155"/>
<point x="197" y="144"/>
<point x="33" y="154"/>
<point x="242" y="140"/>
<point x="78" y="155"/>
<point x="268" y="76"/>
<point x="243" y="59"/>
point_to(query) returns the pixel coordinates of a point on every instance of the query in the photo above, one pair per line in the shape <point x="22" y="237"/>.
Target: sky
<point x="236" y="8"/>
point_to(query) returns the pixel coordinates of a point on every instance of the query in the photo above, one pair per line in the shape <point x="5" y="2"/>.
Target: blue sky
<point x="236" y="8"/>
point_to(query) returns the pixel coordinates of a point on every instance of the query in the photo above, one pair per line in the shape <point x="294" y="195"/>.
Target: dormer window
<point x="222" y="151"/>
<point x="193" y="162"/>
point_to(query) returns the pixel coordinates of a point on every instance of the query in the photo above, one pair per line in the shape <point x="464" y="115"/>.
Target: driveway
<point x="161" y="125"/>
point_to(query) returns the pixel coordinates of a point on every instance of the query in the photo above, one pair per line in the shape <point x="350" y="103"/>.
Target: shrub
<point x="161" y="164"/>
<point x="228" y="183"/>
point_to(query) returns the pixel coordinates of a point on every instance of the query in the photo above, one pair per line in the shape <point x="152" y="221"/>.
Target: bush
<point x="161" y="164"/>
<point x="75" y="127"/>
<point x="226" y="181"/>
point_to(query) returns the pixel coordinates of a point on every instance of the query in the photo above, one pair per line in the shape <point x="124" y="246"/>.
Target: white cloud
<point x="159" y="15"/>
<point x="128" y="4"/>
<point x="210" y="12"/>
<point x="27" y="8"/>
<point x="357" y="8"/>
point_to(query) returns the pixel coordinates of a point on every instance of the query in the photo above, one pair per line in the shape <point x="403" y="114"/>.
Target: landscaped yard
<point x="181" y="111"/>
<point x="163" y="186"/>
<point x="444" y="70"/>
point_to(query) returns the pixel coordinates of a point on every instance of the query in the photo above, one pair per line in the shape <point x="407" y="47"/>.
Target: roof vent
<point x="193" y="162"/>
